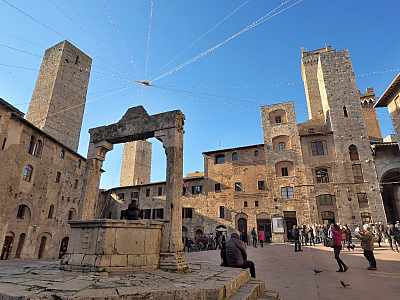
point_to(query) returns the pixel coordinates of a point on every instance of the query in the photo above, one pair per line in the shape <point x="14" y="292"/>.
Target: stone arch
<point x="281" y="142"/>
<point x="284" y="168"/>
<point x="277" y="116"/>
<point x="391" y="192"/>
<point x="7" y="245"/>
<point x="43" y="245"/>
<point x="71" y="214"/>
<point x="241" y="222"/>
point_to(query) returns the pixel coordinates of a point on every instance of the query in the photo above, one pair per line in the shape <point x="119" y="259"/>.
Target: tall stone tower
<point x="338" y="97"/>
<point x="58" y="100"/>
<point x="136" y="163"/>
<point x="367" y="102"/>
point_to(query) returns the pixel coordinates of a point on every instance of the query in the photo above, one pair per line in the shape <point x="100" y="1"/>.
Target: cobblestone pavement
<point x="291" y="273"/>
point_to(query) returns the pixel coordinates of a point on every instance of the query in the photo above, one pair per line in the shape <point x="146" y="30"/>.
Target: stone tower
<point x="344" y="117"/>
<point x="136" y="163"/>
<point x="58" y="100"/>
<point x="367" y="102"/>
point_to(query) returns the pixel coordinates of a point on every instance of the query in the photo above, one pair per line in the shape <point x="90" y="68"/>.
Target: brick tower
<point x="58" y="100"/>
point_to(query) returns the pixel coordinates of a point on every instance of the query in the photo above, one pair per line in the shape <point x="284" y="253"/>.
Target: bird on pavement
<point x="317" y="271"/>
<point x="344" y="284"/>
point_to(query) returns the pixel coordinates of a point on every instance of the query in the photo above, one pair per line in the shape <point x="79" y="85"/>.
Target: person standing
<point x="261" y="237"/>
<point x="296" y="237"/>
<point x="236" y="254"/>
<point x="377" y="234"/>
<point x="244" y="238"/>
<point x="367" y="243"/>
<point x="254" y="237"/>
<point x="393" y="237"/>
<point x="337" y="242"/>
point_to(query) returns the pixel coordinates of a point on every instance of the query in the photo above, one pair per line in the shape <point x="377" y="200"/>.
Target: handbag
<point x="331" y="243"/>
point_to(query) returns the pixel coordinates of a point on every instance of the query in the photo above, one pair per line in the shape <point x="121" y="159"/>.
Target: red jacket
<point x="337" y="237"/>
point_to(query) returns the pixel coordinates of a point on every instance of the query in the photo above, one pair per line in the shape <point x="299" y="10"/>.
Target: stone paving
<point x="291" y="273"/>
<point x="45" y="280"/>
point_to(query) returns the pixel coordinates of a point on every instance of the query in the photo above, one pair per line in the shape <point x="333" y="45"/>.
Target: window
<point x="121" y="196"/>
<point x="345" y="111"/>
<point x="234" y="156"/>
<point x="362" y="200"/>
<point x="317" y="148"/>
<point x="159" y="192"/>
<point x="281" y="146"/>
<point x="4" y="143"/>
<point x="158" y="213"/>
<point x="196" y="189"/>
<point x="325" y="199"/>
<point x="322" y="175"/>
<point x="238" y="186"/>
<point x="218" y="188"/>
<point x="71" y="215"/>
<point x="397" y="101"/>
<point x="287" y="192"/>
<point x="366" y="217"/>
<point x="256" y="203"/>
<point x="62" y="154"/>
<point x="28" y="173"/>
<point x="311" y="131"/>
<point x="184" y="188"/>
<point x="77" y="60"/>
<point x="35" y="147"/>
<point x="256" y="153"/>
<point x="285" y="171"/>
<point x="109" y="215"/>
<point x="21" y="211"/>
<point x="278" y="119"/>
<point x="134" y="195"/>
<point x="245" y="204"/>
<point x="353" y="153"/>
<point x="220" y="158"/>
<point x="261" y="185"/>
<point x="187" y="213"/>
<point x="357" y="174"/>
<point x="222" y="212"/>
<point x="146" y="213"/>
<point x="76" y="183"/>
<point x="58" y="176"/>
<point x="147" y="192"/>
<point x="51" y="210"/>
<point x="79" y="163"/>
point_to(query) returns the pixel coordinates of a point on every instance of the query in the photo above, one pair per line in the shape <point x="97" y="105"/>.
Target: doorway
<point x="20" y="245"/>
<point x="63" y="247"/>
<point x="7" y="246"/>
<point x="328" y="217"/>
<point x="264" y="224"/>
<point x="42" y="247"/>
<point x="242" y="225"/>
<point x="290" y="221"/>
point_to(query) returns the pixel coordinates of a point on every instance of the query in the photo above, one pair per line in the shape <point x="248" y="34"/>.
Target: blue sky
<point x="220" y="92"/>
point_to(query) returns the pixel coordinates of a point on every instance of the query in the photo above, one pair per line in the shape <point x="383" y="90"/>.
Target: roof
<point x="317" y="123"/>
<point x="231" y="149"/>
<point x="388" y="94"/>
<point x="10" y="107"/>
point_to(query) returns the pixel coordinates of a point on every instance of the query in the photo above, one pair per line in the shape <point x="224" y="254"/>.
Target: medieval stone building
<point x="42" y="173"/>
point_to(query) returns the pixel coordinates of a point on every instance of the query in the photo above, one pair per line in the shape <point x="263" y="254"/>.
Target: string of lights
<point x="148" y="39"/>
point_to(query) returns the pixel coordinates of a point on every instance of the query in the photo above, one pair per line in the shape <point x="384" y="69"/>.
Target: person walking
<point x="377" y="234"/>
<point x="296" y="237"/>
<point x="337" y="242"/>
<point x="261" y="237"/>
<point x="254" y="237"/>
<point x="367" y="243"/>
<point x="345" y="236"/>
<point x="394" y="239"/>
<point x="236" y="254"/>
<point x="311" y="236"/>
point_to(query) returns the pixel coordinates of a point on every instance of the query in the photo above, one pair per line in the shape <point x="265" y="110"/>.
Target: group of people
<point x="254" y="236"/>
<point x="390" y="234"/>
<point x="210" y="242"/>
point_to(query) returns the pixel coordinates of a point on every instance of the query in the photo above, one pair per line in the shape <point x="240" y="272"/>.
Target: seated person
<point x="223" y="255"/>
<point x="132" y="213"/>
<point x="236" y="254"/>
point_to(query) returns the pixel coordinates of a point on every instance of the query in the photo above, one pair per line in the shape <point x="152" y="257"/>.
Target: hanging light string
<point x="254" y="24"/>
<point x="120" y="37"/>
<point x="148" y="39"/>
<point x="200" y="38"/>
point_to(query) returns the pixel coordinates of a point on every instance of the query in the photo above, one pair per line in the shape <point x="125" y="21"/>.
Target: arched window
<point x="234" y="156"/>
<point x="28" y="173"/>
<point x="280" y="143"/>
<point x="35" y="147"/>
<point x="51" y="210"/>
<point x="62" y="153"/>
<point x="245" y="204"/>
<point x="71" y="214"/>
<point x="21" y="211"/>
<point x="220" y="158"/>
<point x="353" y="152"/>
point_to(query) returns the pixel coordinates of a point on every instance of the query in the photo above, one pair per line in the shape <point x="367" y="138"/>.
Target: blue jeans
<point x="297" y="245"/>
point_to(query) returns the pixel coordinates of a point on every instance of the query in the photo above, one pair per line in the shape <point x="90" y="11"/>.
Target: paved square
<point x="291" y="274"/>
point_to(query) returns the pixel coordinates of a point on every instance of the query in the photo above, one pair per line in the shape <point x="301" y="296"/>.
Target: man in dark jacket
<point x="236" y="254"/>
<point x="133" y="212"/>
<point x="394" y="239"/>
<point x="296" y="236"/>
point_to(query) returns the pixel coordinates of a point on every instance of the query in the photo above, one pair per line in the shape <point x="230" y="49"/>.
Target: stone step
<point x="269" y="295"/>
<point x="250" y="290"/>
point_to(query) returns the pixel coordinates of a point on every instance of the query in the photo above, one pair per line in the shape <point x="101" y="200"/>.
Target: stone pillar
<point x="91" y="179"/>
<point x="172" y="256"/>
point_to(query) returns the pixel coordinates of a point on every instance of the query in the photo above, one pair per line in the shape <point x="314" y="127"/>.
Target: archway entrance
<point x="42" y="246"/>
<point x="20" y="245"/>
<point x="264" y="224"/>
<point x="7" y="246"/>
<point x="390" y="196"/>
<point x="63" y="247"/>
<point x="242" y="225"/>
<point x="198" y="235"/>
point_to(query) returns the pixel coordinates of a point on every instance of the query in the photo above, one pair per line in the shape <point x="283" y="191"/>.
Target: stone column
<point x="91" y="179"/>
<point x="172" y="256"/>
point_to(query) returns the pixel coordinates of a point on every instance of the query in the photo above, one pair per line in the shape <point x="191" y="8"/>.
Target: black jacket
<point x="296" y="233"/>
<point x="132" y="213"/>
<point x="235" y="251"/>
<point x="392" y="230"/>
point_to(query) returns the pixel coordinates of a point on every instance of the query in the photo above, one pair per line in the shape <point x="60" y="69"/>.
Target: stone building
<point x="319" y="171"/>
<point x="41" y="189"/>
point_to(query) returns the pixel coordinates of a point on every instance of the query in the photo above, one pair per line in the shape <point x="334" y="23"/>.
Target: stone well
<point x="109" y="245"/>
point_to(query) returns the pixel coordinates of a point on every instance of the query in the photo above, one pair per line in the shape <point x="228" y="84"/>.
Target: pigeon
<point x="344" y="284"/>
<point x="317" y="271"/>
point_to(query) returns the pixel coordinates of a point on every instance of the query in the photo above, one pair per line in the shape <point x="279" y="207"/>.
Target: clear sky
<point x="205" y="58"/>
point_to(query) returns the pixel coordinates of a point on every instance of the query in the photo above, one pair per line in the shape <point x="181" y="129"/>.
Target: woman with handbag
<point x="337" y="243"/>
